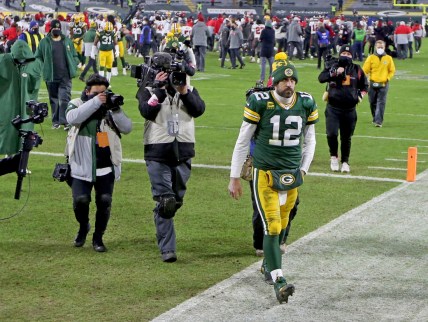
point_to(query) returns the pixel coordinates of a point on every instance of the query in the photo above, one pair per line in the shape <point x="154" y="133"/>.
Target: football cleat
<point x="266" y="273"/>
<point x="334" y="164"/>
<point x="283" y="290"/>
<point x="260" y="252"/>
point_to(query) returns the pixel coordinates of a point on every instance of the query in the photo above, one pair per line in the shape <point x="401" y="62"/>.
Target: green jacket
<point x="18" y="84"/>
<point x="90" y="35"/>
<point x="44" y="53"/>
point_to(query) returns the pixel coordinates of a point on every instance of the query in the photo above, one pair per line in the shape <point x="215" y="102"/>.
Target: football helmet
<point x="108" y="26"/>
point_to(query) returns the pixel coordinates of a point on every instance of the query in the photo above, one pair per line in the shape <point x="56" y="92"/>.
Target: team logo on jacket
<point x="288" y="72"/>
<point x="287" y="179"/>
<point x="24" y="75"/>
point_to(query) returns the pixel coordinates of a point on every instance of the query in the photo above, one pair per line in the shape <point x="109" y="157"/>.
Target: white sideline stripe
<point x="219" y="289"/>
<point x="224" y="167"/>
<point x="402" y="160"/>
<point x="405" y="152"/>
<point x="384" y="168"/>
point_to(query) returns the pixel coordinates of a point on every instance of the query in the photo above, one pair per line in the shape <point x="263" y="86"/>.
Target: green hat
<point x="283" y="69"/>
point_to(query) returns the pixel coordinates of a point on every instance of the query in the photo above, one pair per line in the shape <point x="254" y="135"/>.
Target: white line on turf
<point x="222" y="167"/>
<point x="384" y="168"/>
<point x="402" y="160"/>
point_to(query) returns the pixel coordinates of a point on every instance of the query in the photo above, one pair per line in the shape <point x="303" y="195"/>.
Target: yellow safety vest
<point x="77" y="3"/>
<point x="31" y="37"/>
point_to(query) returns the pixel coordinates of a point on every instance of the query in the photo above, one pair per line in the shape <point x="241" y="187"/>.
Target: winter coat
<point x="18" y="84"/>
<point x="267" y="41"/>
<point x="44" y="53"/>
<point x="294" y="32"/>
<point x="200" y="34"/>
<point x="81" y="137"/>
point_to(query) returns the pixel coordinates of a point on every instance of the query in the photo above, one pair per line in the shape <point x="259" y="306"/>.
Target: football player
<point x="279" y="120"/>
<point x="107" y="43"/>
<point x="77" y="31"/>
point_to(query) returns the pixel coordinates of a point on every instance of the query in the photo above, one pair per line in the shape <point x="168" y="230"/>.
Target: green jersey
<point x="78" y="30"/>
<point x="106" y="39"/>
<point x="279" y="128"/>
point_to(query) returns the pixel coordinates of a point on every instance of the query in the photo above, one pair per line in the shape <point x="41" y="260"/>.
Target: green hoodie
<point x="44" y="53"/>
<point x="19" y="83"/>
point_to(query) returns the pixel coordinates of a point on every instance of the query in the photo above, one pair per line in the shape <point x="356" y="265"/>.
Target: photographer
<point x="347" y="85"/>
<point x="95" y="154"/>
<point x="169" y="140"/>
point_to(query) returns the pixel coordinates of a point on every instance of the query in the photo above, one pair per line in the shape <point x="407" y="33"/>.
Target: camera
<point x="170" y="63"/>
<point x="38" y="111"/>
<point x="114" y="101"/>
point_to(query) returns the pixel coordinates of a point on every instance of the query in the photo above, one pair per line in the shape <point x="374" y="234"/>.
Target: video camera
<point x="170" y="63"/>
<point x="332" y="64"/>
<point x="30" y="139"/>
<point x="258" y="88"/>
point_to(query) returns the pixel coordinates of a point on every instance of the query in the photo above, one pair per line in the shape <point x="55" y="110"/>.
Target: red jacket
<point x="11" y="33"/>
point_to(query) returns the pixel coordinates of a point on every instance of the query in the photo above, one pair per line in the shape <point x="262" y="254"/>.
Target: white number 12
<point x="287" y="140"/>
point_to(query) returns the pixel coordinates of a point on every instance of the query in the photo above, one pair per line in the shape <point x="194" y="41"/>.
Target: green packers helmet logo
<point x="288" y="72"/>
<point x="287" y="179"/>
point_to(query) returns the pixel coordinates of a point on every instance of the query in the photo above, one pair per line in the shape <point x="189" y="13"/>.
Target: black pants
<point x="91" y="63"/>
<point x="343" y="120"/>
<point x="103" y="198"/>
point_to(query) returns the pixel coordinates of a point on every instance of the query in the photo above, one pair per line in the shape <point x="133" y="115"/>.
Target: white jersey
<point x="136" y="30"/>
<point x="256" y="30"/>
<point x="186" y="31"/>
<point x="25" y="26"/>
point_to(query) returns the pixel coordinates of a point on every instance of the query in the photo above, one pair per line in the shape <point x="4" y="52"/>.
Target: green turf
<point x="43" y="277"/>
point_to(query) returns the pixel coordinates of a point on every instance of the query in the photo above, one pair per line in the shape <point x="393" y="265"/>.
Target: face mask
<point x="56" y="32"/>
<point x="344" y="61"/>
<point x="380" y="51"/>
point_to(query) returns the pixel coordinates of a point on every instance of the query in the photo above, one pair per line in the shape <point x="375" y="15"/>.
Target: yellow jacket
<point x="379" y="69"/>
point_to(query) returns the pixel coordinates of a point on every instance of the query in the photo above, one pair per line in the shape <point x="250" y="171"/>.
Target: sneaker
<point x="266" y="273"/>
<point x="283" y="290"/>
<point x="114" y="71"/>
<point x="56" y="126"/>
<point x="169" y="257"/>
<point x="377" y="125"/>
<point x="67" y="127"/>
<point x="79" y="66"/>
<point x="282" y="247"/>
<point x="260" y="253"/>
<point x="253" y="60"/>
<point x="345" y="168"/>
<point x="98" y="245"/>
<point x="124" y="71"/>
<point x="334" y="164"/>
<point x="80" y="239"/>
<point x="258" y="60"/>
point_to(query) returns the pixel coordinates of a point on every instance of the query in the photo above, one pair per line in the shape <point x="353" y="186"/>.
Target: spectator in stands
<point x="340" y="5"/>
<point x="401" y="40"/>
<point x="199" y="37"/>
<point x="293" y="38"/>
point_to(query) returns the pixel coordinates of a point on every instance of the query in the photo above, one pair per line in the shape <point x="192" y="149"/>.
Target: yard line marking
<point x="402" y="160"/>
<point x="405" y="152"/>
<point x="384" y="168"/>
<point x="223" y="167"/>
